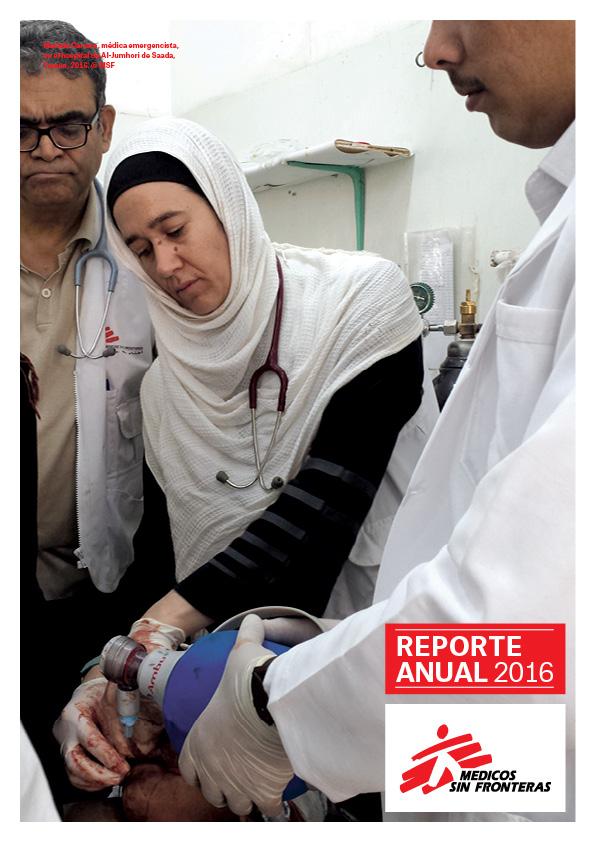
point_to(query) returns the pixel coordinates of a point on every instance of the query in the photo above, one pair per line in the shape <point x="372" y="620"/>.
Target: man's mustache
<point x="465" y="85"/>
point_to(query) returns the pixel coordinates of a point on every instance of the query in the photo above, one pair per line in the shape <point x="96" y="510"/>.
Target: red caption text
<point x="88" y="56"/>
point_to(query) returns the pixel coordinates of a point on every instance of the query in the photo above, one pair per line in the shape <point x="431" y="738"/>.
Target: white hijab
<point x="343" y="311"/>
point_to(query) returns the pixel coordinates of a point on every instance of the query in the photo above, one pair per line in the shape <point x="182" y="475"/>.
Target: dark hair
<point x="33" y="35"/>
<point x="147" y="167"/>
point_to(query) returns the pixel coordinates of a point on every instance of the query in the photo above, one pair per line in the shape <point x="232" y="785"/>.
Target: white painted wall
<point x="229" y="56"/>
<point x="461" y="174"/>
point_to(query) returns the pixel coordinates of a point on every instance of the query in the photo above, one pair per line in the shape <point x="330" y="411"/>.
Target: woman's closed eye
<point x="142" y="252"/>
<point x="146" y="250"/>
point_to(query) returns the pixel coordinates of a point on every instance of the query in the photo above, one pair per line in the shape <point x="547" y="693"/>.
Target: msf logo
<point x="442" y="763"/>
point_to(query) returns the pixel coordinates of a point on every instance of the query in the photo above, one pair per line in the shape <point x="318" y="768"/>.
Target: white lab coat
<point x="355" y="585"/>
<point x="486" y="529"/>
<point x="37" y="804"/>
<point x="109" y="463"/>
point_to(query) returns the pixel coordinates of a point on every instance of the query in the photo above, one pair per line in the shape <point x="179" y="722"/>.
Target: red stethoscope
<point x="272" y="365"/>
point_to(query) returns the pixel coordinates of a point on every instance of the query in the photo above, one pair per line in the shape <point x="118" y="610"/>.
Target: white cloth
<point x="109" y="458"/>
<point x="486" y="530"/>
<point x="37" y="804"/>
<point x="342" y="312"/>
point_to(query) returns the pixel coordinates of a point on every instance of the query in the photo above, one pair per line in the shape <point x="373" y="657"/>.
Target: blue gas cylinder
<point x="194" y="680"/>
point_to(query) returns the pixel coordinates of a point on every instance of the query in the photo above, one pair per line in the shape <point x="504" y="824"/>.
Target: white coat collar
<point x="546" y="185"/>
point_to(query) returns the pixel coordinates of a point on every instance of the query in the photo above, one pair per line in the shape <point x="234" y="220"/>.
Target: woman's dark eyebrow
<point x="153" y="224"/>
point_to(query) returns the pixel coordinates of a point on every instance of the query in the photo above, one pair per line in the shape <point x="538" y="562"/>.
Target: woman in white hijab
<point x="308" y="529"/>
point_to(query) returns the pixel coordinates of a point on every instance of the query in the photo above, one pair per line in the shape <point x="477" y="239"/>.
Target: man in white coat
<point x="87" y="481"/>
<point x="497" y="476"/>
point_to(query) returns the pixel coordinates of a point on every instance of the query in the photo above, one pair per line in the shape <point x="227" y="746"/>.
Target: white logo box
<point x="528" y="739"/>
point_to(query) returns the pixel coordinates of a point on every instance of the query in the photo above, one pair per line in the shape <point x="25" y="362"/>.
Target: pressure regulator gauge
<point x="423" y="296"/>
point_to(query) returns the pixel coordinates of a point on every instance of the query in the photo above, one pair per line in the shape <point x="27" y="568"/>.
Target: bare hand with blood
<point x="89" y="730"/>
<point x="152" y="634"/>
<point x="91" y="739"/>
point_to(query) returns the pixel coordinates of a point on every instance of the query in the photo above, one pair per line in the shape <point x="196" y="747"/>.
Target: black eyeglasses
<point x="63" y="136"/>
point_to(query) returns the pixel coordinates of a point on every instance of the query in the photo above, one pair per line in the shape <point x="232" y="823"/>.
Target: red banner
<point x="475" y="658"/>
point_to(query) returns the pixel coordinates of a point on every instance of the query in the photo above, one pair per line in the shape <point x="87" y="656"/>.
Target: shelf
<point x="277" y="172"/>
<point x="292" y="168"/>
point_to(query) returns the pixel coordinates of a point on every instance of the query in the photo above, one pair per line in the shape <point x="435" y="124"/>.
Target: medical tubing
<point x="119" y="661"/>
<point x="101" y="249"/>
<point x="101" y="252"/>
<point x="84" y="351"/>
<point x="277" y="482"/>
<point x="261" y="466"/>
<point x="128" y="705"/>
<point x="270" y="365"/>
<point x="93" y="662"/>
<point x="223" y="477"/>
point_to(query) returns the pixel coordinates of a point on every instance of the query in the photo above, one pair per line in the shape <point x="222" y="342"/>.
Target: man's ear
<point x="106" y="124"/>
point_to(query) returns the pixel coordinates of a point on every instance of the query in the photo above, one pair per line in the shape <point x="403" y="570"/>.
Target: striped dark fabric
<point x="294" y="552"/>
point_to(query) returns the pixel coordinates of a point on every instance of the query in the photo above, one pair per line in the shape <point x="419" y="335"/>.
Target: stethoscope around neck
<point x="270" y="364"/>
<point x="100" y="251"/>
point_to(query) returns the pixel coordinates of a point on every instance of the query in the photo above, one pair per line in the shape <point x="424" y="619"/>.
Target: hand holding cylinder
<point x="153" y="634"/>
<point x="91" y="739"/>
<point x="90" y="728"/>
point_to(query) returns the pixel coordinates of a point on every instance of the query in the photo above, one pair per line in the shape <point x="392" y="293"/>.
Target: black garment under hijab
<point x="294" y="552"/>
<point x="147" y="167"/>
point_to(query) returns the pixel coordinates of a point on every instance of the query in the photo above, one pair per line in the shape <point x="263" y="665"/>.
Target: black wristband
<point x="260" y="699"/>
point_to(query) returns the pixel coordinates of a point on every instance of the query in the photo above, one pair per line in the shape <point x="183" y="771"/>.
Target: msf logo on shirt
<point x="441" y="763"/>
<point x="111" y="338"/>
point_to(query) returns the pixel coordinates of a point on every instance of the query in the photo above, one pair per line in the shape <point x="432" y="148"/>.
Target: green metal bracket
<point x="357" y="176"/>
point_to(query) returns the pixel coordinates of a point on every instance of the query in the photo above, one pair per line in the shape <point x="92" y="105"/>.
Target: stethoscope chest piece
<point x="276" y="482"/>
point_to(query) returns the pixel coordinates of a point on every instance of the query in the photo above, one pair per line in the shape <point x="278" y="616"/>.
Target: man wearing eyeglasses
<point x="89" y="442"/>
